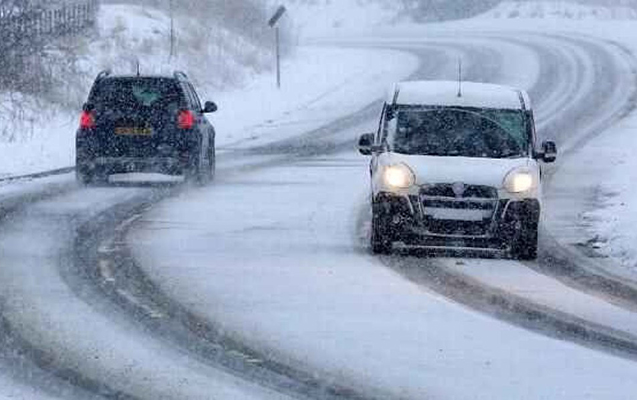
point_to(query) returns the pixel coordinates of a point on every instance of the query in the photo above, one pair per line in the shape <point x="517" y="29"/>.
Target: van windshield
<point x="459" y="132"/>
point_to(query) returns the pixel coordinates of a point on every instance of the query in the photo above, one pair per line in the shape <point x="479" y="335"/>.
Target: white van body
<point x="456" y="166"/>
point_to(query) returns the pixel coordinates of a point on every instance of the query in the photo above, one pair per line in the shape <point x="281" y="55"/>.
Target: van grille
<point x="470" y="191"/>
<point x="458" y="210"/>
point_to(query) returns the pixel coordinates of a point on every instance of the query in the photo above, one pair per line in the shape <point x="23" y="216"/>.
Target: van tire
<point x="525" y="243"/>
<point x="379" y="240"/>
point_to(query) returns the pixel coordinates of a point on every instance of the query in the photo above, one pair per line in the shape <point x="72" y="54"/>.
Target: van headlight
<point x="398" y="176"/>
<point x="519" y="181"/>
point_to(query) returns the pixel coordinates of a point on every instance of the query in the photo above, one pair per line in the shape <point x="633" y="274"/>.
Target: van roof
<point x="445" y="93"/>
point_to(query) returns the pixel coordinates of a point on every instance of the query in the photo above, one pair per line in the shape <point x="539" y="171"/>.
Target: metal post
<point x="272" y="23"/>
<point x="278" y="58"/>
<point x="172" y="31"/>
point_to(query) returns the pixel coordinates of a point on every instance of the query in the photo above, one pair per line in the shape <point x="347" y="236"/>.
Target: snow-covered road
<point x="260" y="286"/>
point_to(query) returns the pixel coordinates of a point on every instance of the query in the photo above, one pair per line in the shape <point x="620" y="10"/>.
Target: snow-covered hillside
<point x="212" y="54"/>
<point x="560" y="9"/>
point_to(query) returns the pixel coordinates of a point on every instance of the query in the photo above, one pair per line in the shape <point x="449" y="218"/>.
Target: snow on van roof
<point x="445" y="93"/>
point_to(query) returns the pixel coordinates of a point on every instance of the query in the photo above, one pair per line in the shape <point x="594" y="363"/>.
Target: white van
<point x="456" y="166"/>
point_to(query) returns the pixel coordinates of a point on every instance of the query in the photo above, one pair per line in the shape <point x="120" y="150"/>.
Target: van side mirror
<point x="210" y="107"/>
<point x="549" y="151"/>
<point x="366" y="144"/>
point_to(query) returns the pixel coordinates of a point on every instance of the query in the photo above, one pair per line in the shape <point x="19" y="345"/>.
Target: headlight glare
<point x="399" y="176"/>
<point x="519" y="181"/>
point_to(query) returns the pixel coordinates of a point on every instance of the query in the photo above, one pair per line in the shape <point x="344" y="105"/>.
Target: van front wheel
<point x="525" y="242"/>
<point x="380" y="241"/>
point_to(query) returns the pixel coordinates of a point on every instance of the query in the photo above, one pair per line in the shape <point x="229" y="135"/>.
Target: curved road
<point x="88" y="314"/>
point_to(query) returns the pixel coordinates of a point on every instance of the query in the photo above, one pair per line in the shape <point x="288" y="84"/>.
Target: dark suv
<point x="145" y="124"/>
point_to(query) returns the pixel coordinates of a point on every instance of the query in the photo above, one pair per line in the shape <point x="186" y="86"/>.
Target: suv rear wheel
<point x="202" y="172"/>
<point x="90" y="178"/>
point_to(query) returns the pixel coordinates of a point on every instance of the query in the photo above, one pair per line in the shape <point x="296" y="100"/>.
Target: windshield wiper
<point x="440" y="154"/>
<point x="511" y="154"/>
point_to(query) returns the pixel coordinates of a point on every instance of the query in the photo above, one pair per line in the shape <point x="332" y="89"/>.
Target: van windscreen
<point x="458" y="132"/>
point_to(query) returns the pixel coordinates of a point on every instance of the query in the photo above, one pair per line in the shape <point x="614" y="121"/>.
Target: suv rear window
<point x="137" y="93"/>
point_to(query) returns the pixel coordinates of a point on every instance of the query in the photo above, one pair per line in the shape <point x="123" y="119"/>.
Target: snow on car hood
<point x="473" y="171"/>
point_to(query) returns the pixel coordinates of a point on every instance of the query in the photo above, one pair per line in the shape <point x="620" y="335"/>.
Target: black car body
<point x="144" y="124"/>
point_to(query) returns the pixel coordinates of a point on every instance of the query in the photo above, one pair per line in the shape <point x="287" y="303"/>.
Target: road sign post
<point x="273" y="23"/>
<point x="278" y="58"/>
<point x="172" y="31"/>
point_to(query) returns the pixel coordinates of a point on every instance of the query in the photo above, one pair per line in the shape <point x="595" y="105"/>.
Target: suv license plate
<point x="131" y="131"/>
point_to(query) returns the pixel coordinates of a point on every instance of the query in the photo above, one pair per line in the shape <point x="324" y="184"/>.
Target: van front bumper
<point x="454" y="223"/>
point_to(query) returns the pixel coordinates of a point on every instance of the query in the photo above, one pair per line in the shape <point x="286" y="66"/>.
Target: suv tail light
<point x="186" y="119"/>
<point x="87" y="120"/>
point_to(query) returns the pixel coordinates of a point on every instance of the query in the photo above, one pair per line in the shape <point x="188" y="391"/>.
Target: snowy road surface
<point x="260" y="286"/>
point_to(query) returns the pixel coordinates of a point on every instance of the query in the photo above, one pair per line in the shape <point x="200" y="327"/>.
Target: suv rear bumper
<point x="405" y="221"/>
<point x="115" y="165"/>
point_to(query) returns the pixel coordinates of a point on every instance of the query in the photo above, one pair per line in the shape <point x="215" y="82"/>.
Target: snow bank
<point x="611" y="225"/>
<point x="34" y="135"/>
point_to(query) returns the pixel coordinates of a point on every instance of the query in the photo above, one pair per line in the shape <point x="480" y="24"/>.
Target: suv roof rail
<point x="103" y="74"/>
<point x="522" y="102"/>
<point x="180" y="75"/>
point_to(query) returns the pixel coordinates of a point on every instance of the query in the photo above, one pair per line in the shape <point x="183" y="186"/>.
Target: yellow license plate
<point x="132" y="131"/>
